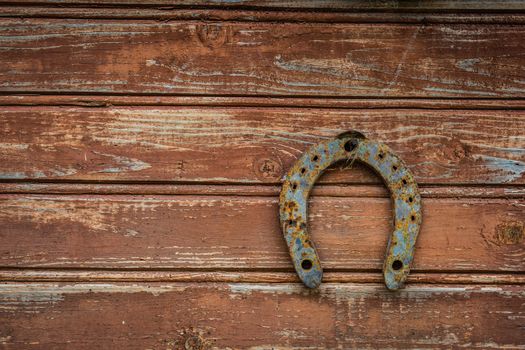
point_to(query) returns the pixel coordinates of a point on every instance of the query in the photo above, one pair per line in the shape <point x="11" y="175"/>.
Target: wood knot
<point x="268" y="169"/>
<point x="510" y="232"/>
<point x="190" y="339"/>
<point x="194" y="342"/>
<point x="213" y="35"/>
<point x="456" y="150"/>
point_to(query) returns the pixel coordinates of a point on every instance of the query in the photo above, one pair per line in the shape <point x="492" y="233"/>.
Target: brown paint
<point x="169" y="13"/>
<point x="256" y="101"/>
<point x="172" y="275"/>
<point x="277" y="59"/>
<point x="251" y="145"/>
<point x="326" y="190"/>
<point x="138" y="193"/>
<point x="266" y="316"/>
<point x="362" y="5"/>
<point x="234" y="232"/>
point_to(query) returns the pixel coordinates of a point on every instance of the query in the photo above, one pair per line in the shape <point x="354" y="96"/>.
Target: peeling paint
<point x="14" y="146"/>
<point x="505" y="170"/>
<point x="468" y="64"/>
<point x="127" y="164"/>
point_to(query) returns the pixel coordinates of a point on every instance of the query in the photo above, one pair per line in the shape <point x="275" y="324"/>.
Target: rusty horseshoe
<point x="350" y="146"/>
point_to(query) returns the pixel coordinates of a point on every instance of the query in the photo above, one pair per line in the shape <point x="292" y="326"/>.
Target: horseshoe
<point x="299" y="181"/>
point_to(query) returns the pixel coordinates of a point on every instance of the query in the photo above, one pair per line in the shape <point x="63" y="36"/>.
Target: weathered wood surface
<point x="356" y="191"/>
<point x="251" y="145"/>
<point x="13" y="274"/>
<point x="203" y="13"/>
<point x="367" y="60"/>
<point x="240" y="233"/>
<point x="260" y="316"/>
<point x="361" y="5"/>
<point x="82" y="100"/>
<point x="139" y="174"/>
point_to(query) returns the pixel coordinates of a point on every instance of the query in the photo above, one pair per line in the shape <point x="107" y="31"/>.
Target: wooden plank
<point x="170" y="13"/>
<point x="251" y="145"/>
<point x="359" y="5"/>
<point x="260" y="316"/>
<point x="286" y="59"/>
<point x="97" y="275"/>
<point x="517" y="192"/>
<point x="254" y="101"/>
<point x="243" y="233"/>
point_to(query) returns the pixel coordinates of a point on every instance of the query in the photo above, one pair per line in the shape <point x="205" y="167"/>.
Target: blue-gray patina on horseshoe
<point x="293" y="205"/>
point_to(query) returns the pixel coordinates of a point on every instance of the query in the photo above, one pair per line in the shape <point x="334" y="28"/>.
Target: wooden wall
<point x="143" y="144"/>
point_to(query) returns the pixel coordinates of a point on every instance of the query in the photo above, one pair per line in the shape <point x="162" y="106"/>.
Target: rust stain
<point x="511" y="232"/>
<point x="349" y="147"/>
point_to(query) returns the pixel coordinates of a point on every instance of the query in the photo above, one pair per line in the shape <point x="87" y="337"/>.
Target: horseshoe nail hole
<point x="306" y="264"/>
<point x="350" y="145"/>
<point x="404" y="182"/>
<point x="381" y="155"/>
<point x="394" y="167"/>
<point x="410" y="199"/>
<point x="413" y="218"/>
<point x="294" y="187"/>
<point x="315" y="158"/>
<point x="290" y="222"/>
<point x="303" y="170"/>
<point x="397" y="265"/>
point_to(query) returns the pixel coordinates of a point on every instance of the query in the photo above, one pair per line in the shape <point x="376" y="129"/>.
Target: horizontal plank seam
<point x="291" y="102"/>
<point x="228" y="183"/>
<point x="377" y="6"/>
<point x="29" y="280"/>
<point x="51" y="93"/>
<point x="249" y="270"/>
<point x="266" y="8"/>
<point x="29" y="182"/>
<point x="34" y="275"/>
<point x="268" y="106"/>
<point x="425" y="20"/>
<point x="237" y="6"/>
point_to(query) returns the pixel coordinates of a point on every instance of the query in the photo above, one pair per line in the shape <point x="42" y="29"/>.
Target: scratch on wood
<point x="402" y="61"/>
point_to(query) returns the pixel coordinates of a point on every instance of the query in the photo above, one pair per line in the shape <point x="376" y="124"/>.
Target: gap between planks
<point x="87" y="275"/>
<point x="170" y="13"/>
<point x="332" y="5"/>
<point x="367" y="191"/>
<point x="102" y="101"/>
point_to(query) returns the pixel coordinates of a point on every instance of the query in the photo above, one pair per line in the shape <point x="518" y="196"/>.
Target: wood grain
<point x="14" y="274"/>
<point x="258" y="101"/>
<point x="285" y="59"/>
<point x="240" y="233"/>
<point x="246" y="14"/>
<point x="359" y="5"/>
<point x="143" y="144"/>
<point x="326" y="190"/>
<point x="251" y="145"/>
<point x="259" y="316"/>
